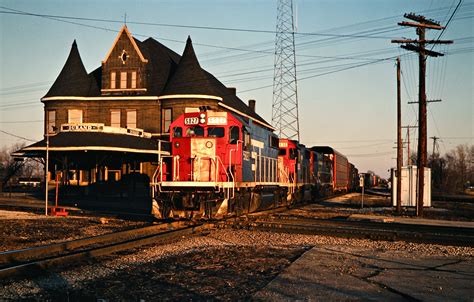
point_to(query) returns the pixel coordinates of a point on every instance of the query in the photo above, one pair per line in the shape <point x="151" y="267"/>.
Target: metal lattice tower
<point x="285" y="96"/>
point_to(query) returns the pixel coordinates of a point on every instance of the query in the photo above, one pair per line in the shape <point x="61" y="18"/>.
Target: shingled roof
<point x="168" y="74"/>
<point x="189" y="77"/>
<point x="73" y="79"/>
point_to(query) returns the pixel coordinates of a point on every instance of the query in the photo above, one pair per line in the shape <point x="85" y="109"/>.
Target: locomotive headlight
<point x="209" y="144"/>
<point x="176" y="144"/>
<point x="202" y="121"/>
<point x="202" y="115"/>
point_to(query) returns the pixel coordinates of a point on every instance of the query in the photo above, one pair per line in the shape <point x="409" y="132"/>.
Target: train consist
<point x="223" y="163"/>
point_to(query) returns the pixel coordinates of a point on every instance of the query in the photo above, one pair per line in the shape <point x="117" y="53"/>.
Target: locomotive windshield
<point x="215" y="132"/>
<point x="177" y="132"/>
<point x="195" y="131"/>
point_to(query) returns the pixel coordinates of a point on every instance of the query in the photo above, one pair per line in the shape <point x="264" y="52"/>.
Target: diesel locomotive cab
<point x="205" y="147"/>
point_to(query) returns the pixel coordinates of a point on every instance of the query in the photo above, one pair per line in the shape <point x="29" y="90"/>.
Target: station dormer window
<point x="123" y="80"/>
<point x="113" y="76"/>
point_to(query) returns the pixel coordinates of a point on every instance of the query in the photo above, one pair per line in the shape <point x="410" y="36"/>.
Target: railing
<point x="266" y="169"/>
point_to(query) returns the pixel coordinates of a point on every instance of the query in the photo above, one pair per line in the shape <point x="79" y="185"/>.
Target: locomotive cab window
<point x="215" y="132"/>
<point x="195" y="131"/>
<point x="282" y="152"/>
<point x="234" y="135"/>
<point x="246" y="136"/>
<point x="274" y="142"/>
<point x="293" y="153"/>
<point x="177" y="132"/>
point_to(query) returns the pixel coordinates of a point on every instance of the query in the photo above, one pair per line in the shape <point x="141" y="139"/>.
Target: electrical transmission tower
<point x="285" y="96"/>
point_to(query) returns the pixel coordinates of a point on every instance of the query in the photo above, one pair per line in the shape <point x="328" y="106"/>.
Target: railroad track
<point x="35" y="259"/>
<point x="444" y="235"/>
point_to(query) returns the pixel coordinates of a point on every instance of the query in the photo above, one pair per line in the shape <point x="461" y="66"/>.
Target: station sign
<point x="82" y="127"/>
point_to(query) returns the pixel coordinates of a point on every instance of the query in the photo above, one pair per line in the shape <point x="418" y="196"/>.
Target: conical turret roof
<point x="73" y="79"/>
<point x="189" y="77"/>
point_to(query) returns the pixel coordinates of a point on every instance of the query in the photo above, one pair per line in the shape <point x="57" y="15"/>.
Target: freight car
<point x="224" y="163"/>
<point x="340" y="166"/>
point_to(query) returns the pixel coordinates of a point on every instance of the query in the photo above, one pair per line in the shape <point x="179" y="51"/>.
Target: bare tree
<point x="9" y="166"/>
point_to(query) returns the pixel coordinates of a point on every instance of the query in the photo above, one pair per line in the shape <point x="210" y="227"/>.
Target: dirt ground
<point x="204" y="274"/>
<point x="380" y="205"/>
<point x="21" y="229"/>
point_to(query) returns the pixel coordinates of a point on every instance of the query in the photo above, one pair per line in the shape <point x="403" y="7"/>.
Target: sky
<point x="349" y="107"/>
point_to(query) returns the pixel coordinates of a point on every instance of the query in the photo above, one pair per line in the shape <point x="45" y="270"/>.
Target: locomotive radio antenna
<point x="285" y="96"/>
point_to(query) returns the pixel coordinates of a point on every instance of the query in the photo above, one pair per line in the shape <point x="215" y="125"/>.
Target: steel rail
<point x="94" y="252"/>
<point x="68" y="246"/>
<point x="444" y="235"/>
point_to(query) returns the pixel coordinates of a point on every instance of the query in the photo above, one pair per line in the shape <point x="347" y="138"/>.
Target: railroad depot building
<point x="104" y="130"/>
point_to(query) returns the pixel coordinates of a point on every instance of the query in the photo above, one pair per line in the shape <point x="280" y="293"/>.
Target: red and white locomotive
<point x="223" y="163"/>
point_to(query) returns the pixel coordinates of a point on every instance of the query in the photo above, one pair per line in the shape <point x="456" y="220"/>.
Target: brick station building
<point x="103" y="128"/>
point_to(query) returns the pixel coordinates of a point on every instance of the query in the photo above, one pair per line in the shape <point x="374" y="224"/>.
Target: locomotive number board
<point x="191" y="121"/>
<point x="217" y="120"/>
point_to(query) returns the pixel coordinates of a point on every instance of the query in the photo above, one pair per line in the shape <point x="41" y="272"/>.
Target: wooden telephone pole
<point x="399" y="142"/>
<point x="421" y="23"/>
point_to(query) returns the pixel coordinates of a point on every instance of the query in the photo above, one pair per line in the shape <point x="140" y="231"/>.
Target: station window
<point x="195" y="131"/>
<point x="74" y="116"/>
<point x="115" y="118"/>
<point x="177" y="132"/>
<point x="123" y="80"/>
<point x="166" y="118"/>
<point x="216" y="132"/>
<point x="112" y="80"/>
<point x="132" y="118"/>
<point x="234" y="135"/>
<point x="134" y="80"/>
<point x="51" y="121"/>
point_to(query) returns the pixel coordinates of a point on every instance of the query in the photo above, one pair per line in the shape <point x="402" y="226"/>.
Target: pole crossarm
<point x="424" y="41"/>
<point x="428" y="101"/>
<point x="423" y="25"/>
<point x="420" y="18"/>
<point x="421" y="49"/>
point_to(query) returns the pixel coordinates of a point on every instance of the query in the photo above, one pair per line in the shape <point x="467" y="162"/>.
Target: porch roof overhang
<point x="96" y="142"/>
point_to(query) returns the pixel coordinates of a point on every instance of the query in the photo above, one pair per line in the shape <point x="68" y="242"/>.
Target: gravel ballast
<point x="222" y="265"/>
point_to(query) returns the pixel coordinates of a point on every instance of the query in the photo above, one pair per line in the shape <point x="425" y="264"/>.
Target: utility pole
<point x="421" y="23"/>
<point x="399" y="141"/>
<point x="46" y="166"/>
<point x="408" y="143"/>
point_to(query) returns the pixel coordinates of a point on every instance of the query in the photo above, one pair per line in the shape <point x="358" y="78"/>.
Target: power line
<point x="17" y="136"/>
<point x="16" y="12"/>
